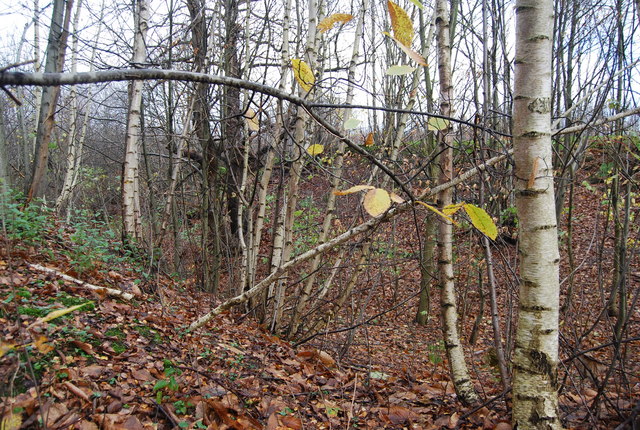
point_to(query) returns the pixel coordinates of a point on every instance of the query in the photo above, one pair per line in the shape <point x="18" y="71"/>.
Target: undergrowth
<point x="88" y="243"/>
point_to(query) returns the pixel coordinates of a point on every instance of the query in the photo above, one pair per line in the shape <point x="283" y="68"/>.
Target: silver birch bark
<point x="283" y="254"/>
<point x="455" y="353"/>
<point x="535" y="360"/>
<point x="37" y="67"/>
<point x="245" y="229"/>
<point x="130" y="176"/>
<point x="285" y="71"/>
<point x="74" y="141"/>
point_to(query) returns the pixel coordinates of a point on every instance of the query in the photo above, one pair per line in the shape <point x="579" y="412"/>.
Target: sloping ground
<point x="128" y="364"/>
<point x="118" y="363"/>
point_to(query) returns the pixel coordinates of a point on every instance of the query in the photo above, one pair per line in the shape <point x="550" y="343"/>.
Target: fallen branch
<point x="108" y="291"/>
<point x="602" y="121"/>
<point x="338" y="240"/>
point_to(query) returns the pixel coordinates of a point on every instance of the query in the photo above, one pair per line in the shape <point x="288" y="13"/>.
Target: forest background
<point x="265" y="158"/>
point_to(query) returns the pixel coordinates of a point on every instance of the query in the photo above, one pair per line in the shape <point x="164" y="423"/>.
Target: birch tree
<point x="130" y="172"/>
<point x="535" y="360"/>
<point x="455" y="353"/>
<point x="56" y="47"/>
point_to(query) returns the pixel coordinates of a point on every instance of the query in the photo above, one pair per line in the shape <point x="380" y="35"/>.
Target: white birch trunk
<point x="455" y="353"/>
<point x="299" y="136"/>
<point x="535" y="360"/>
<point x="130" y="175"/>
<point x="75" y="142"/>
<point x="270" y="158"/>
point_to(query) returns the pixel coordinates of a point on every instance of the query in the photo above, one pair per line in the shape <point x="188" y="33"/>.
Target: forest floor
<point x="130" y="364"/>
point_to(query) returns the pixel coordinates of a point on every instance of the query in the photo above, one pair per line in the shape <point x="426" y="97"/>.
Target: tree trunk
<point x="535" y="360"/>
<point x="130" y="177"/>
<point x="56" y="47"/>
<point x="283" y="255"/>
<point x="455" y="353"/>
<point x="75" y="141"/>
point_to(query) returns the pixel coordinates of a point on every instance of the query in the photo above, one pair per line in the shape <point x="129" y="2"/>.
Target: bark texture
<point x="535" y="361"/>
<point x="455" y="353"/>
<point x="130" y="175"/>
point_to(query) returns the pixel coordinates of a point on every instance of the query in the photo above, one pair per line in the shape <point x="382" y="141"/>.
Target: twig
<point x="482" y="405"/>
<point x="77" y="391"/>
<point x="108" y="291"/>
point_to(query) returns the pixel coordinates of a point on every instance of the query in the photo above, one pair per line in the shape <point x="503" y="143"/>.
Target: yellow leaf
<point x="5" y="347"/>
<point x="303" y="74"/>
<point x="315" y="149"/>
<point x="353" y="189"/>
<point x="398" y="70"/>
<point x="436" y="124"/>
<point x="369" y="140"/>
<point x="327" y="23"/>
<point x="57" y="314"/>
<point x="11" y="422"/>
<point x="377" y="201"/>
<point x="252" y="120"/>
<point x="431" y="208"/>
<point x="41" y="345"/>
<point x="481" y="220"/>
<point x="396" y="198"/>
<point x="401" y="24"/>
<point x="417" y="3"/>
<point x="410" y="52"/>
<point x="452" y="209"/>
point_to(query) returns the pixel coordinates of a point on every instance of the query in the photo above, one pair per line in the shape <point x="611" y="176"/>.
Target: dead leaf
<point x="93" y="371"/>
<point x="327" y="23"/>
<point x="294" y="423"/>
<point x="398" y="415"/>
<point x="41" y="344"/>
<point x="11" y="421"/>
<point x="353" y="189"/>
<point x="369" y="140"/>
<point x="86" y="347"/>
<point x="142" y="375"/>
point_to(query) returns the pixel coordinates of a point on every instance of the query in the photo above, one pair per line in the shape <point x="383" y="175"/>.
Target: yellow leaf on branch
<point x="481" y="220"/>
<point x="251" y="117"/>
<point x="452" y="209"/>
<point x="303" y="74"/>
<point x="353" y="189"/>
<point x="369" y="140"/>
<point x="410" y="52"/>
<point x="377" y="201"/>
<point x="401" y="24"/>
<point x="437" y="211"/>
<point x="327" y="23"/>
<point x="315" y="149"/>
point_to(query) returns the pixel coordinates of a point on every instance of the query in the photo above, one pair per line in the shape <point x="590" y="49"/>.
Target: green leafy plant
<point x="28" y="224"/>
